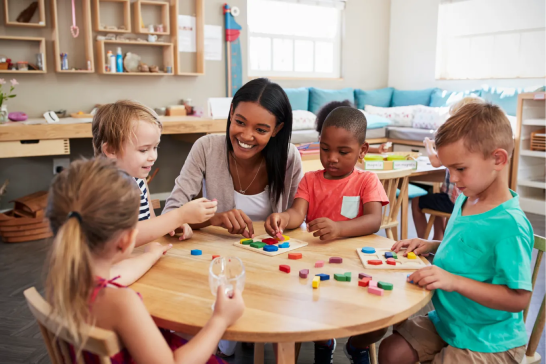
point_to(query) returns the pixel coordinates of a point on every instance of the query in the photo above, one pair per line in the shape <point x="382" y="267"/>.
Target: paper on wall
<point x="186" y="33"/>
<point x="213" y="42"/>
<point x="219" y="107"/>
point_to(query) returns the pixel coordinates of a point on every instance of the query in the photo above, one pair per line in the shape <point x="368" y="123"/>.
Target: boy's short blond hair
<point x="483" y="127"/>
<point x="113" y="124"/>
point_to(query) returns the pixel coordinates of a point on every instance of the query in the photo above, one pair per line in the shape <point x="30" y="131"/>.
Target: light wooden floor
<point x="22" y="266"/>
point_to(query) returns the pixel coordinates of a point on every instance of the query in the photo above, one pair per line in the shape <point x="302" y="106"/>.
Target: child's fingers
<point x="319" y="232"/>
<point x="248" y="222"/>
<point x="327" y="236"/>
<point x="171" y="233"/>
<point x="166" y="247"/>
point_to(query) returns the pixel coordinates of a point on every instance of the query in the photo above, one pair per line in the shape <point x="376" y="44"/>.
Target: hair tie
<point x="76" y="215"/>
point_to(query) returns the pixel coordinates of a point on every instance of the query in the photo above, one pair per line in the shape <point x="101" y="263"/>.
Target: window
<point x="481" y="39"/>
<point x="294" y="39"/>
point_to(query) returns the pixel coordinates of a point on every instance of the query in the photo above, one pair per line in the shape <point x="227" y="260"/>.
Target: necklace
<point x="239" y="179"/>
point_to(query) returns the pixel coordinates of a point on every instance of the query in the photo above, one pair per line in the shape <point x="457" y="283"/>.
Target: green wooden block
<point x="394" y="255"/>
<point x="348" y="276"/>
<point x="247" y="242"/>
<point x="258" y="245"/>
<point x="340" y="277"/>
<point x="384" y="285"/>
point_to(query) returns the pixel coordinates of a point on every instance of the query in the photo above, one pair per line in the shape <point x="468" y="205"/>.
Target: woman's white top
<point x="256" y="207"/>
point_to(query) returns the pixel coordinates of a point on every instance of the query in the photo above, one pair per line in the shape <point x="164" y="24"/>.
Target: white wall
<point x="412" y="50"/>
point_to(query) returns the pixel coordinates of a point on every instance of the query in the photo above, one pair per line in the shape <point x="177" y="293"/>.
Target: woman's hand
<point x="235" y="221"/>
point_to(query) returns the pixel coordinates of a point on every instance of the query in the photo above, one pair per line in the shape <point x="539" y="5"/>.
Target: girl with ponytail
<point x="94" y="228"/>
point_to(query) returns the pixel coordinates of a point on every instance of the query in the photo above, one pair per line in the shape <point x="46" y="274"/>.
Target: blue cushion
<point x="299" y="98"/>
<point x="506" y="98"/>
<point x="413" y="191"/>
<point x="381" y="97"/>
<point x="442" y="98"/>
<point x="376" y="121"/>
<point x="411" y="97"/>
<point x="319" y="97"/>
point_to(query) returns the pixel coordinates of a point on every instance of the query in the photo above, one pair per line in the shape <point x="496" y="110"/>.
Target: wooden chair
<point x="156" y="204"/>
<point x="433" y="214"/>
<point x="392" y="180"/>
<point x="102" y="343"/>
<point x="531" y="356"/>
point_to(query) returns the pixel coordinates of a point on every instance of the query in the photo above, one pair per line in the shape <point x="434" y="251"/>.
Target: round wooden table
<point x="280" y="308"/>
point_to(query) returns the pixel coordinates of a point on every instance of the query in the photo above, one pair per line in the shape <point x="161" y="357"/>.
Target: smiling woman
<point x="252" y="171"/>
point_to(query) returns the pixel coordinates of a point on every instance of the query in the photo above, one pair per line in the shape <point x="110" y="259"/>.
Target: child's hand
<point x="383" y="148"/>
<point x="198" y="211"/>
<point x="429" y="146"/>
<point x="187" y="232"/>
<point x="325" y="228"/>
<point x="275" y="224"/>
<point x="416" y="245"/>
<point x="157" y="249"/>
<point x="235" y="221"/>
<point x="229" y="309"/>
<point x="433" y="277"/>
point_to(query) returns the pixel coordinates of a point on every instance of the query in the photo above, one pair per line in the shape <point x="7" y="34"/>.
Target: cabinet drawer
<point x="34" y="148"/>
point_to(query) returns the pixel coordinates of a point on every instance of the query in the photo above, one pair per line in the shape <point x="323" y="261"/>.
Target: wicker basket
<point x="538" y="140"/>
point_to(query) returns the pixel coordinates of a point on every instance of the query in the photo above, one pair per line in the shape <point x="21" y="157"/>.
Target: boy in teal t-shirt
<point x="482" y="269"/>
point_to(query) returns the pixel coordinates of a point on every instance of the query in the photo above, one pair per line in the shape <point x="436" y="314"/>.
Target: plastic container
<point x="373" y="157"/>
<point x="396" y="158"/>
<point x="22" y="66"/>
<point x="119" y="61"/>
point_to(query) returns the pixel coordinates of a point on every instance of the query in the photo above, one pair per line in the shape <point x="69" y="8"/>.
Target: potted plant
<point x="4" y="96"/>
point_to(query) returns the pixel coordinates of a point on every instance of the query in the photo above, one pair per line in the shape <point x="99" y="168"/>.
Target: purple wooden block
<point x="362" y="275"/>
<point x="17" y="116"/>
<point x="304" y="273"/>
<point x="336" y="260"/>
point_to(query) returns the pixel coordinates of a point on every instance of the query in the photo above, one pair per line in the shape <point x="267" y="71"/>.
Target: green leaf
<point x="11" y="96"/>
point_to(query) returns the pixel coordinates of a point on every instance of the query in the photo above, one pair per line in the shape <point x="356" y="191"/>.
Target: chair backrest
<point x="156" y="204"/>
<point x="540" y="245"/>
<point x="391" y="180"/>
<point x="100" y="342"/>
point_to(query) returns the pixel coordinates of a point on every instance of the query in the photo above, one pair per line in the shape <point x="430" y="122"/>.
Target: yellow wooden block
<point x="286" y="238"/>
<point x="411" y="255"/>
<point x="316" y="282"/>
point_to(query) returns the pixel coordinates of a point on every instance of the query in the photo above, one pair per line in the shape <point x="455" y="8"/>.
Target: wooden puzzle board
<point x="294" y="244"/>
<point x="402" y="262"/>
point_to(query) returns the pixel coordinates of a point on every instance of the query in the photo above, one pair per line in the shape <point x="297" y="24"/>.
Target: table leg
<point x="286" y="353"/>
<point x="259" y="353"/>
<point x="404" y="219"/>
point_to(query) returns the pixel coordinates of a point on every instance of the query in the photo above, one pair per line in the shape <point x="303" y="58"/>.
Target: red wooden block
<point x="364" y="282"/>
<point x="304" y="273"/>
<point x="270" y="241"/>
<point x="215" y="256"/>
<point x="295" y="256"/>
<point x="391" y="261"/>
<point x="364" y="275"/>
<point x="284" y="268"/>
<point x="375" y="262"/>
<point x="336" y="260"/>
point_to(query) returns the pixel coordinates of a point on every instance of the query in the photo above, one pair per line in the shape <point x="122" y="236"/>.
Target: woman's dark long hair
<point x="271" y="97"/>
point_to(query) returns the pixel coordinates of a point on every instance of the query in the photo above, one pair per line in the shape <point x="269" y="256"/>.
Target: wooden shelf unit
<point x="199" y="38"/>
<point x="41" y="42"/>
<point x="528" y="171"/>
<point x="168" y="57"/>
<point x="41" y="16"/>
<point x="126" y="16"/>
<point x="164" y="16"/>
<point x="85" y="32"/>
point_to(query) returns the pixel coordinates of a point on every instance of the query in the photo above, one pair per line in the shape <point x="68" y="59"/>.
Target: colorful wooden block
<point x="391" y="261"/>
<point x="348" y="276"/>
<point x="384" y="285"/>
<point x="246" y="241"/>
<point x="375" y="290"/>
<point x="394" y="255"/>
<point x="323" y="277"/>
<point x="270" y="241"/>
<point x="411" y="255"/>
<point x="215" y="256"/>
<point x="364" y="275"/>
<point x="284" y="268"/>
<point x="295" y="256"/>
<point x="284" y="245"/>
<point x="304" y="273"/>
<point x="319" y="264"/>
<point x="316" y="282"/>
<point x="388" y="255"/>
<point x="409" y="280"/>
<point x="196" y="252"/>
<point x="373" y="261"/>
<point x="368" y="250"/>
<point x="340" y="277"/>
<point x="280" y="237"/>
<point x="336" y="260"/>
<point x="364" y="282"/>
<point x="271" y="248"/>
<point x="373" y="283"/>
<point x="258" y="245"/>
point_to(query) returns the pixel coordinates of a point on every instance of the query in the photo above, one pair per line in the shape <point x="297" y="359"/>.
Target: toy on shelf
<point x="538" y="140"/>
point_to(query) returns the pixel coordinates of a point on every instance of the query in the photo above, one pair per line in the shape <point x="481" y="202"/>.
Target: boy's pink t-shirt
<point x="340" y="200"/>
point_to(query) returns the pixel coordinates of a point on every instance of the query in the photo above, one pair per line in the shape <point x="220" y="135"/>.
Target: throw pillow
<point x="381" y="97"/>
<point x="303" y="120"/>
<point x="319" y="97"/>
<point x="400" y="116"/>
<point x="411" y="97"/>
<point x="430" y="118"/>
<point x="441" y="98"/>
<point x="298" y="97"/>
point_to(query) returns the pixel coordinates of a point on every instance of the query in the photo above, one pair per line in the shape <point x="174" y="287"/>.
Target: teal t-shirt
<point x="494" y="247"/>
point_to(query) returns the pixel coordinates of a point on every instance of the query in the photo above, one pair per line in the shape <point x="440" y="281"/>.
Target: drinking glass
<point x="228" y="271"/>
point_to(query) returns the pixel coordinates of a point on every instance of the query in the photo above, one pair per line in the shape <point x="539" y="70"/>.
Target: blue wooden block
<point x="196" y="252"/>
<point x="408" y="277"/>
<point x="284" y="245"/>
<point x="323" y="277"/>
<point x="368" y="250"/>
<point x="271" y="248"/>
<point x="388" y="255"/>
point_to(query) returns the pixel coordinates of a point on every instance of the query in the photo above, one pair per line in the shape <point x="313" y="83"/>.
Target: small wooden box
<point x="179" y="110"/>
<point x="538" y="140"/>
<point x="33" y="148"/>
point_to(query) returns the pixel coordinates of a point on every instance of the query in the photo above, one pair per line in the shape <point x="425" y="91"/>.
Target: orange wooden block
<point x="295" y="256"/>
<point x="375" y="262"/>
<point x="364" y="282"/>
<point x="215" y="256"/>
